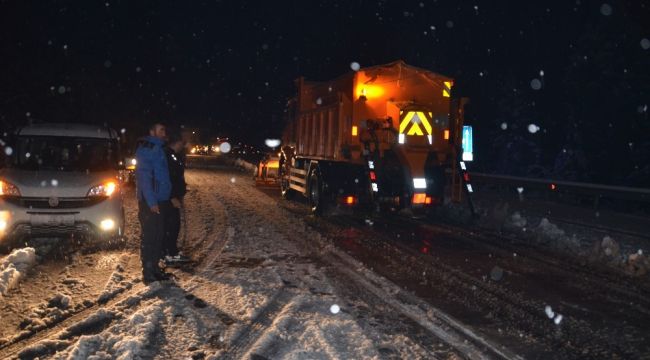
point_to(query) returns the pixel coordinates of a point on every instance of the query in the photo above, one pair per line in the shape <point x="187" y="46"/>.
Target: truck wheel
<point x="316" y="198"/>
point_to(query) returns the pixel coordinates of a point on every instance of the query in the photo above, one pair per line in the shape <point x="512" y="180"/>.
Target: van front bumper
<point x="22" y="217"/>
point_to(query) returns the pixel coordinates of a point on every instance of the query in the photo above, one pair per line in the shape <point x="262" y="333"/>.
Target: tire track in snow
<point x="252" y="331"/>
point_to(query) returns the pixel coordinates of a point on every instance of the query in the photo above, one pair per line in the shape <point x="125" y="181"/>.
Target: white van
<point x="62" y="180"/>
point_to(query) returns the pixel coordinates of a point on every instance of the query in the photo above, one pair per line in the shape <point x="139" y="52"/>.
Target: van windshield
<point x="62" y="153"/>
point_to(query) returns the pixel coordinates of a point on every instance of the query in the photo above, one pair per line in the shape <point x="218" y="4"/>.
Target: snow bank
<point x="14" y="266"/>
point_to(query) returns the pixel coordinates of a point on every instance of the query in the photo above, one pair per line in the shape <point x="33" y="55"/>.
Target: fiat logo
<point x="53" y="201"/>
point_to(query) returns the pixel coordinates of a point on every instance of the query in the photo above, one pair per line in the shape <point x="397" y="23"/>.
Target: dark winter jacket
<point x="176" y="164"/>
<point x="152" y="172"/>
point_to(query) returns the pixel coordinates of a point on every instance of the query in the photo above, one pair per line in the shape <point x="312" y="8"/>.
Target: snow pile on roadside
<point x="637" y="264"/>
<point x="245" y="165"/>
<point x="130" y="339"/>
<point x="516" y="220"/>
<point x="14" y="266"/>
<point x="609" y="251"/>
<point x="550" y="233"/>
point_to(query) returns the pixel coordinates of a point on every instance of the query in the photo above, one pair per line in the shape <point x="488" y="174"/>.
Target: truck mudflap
<point x="345" y="184"/>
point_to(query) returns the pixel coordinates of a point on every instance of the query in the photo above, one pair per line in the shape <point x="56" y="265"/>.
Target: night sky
<point x="558" y="88"/>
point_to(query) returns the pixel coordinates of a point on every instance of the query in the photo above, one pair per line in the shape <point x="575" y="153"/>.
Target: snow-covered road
<point x="271" y="281"/>
<point x="265" y="285"/>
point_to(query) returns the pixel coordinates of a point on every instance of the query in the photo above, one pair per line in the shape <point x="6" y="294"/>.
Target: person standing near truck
<point x="153" y="193"/>
<point x="176" y="163"/>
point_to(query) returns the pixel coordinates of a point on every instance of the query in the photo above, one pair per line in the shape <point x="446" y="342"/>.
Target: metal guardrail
<point x="597" y="191"/>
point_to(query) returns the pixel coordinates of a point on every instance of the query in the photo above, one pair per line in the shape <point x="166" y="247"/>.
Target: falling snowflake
<point x="9" y="151"/>
<point x="606" y="9"/>
<point x="319" y="101"/>
<point x="54" y="182"/>
<point x="61" y="90"/>
<point x="504" y="126"/>
<point x="645" y="44"/>
<point x="450" y="24"/>
<point x="355" y="66"/>
<point x="233" y="180"/>
<point x="536" y="84"/>
<point x="334" y="309"/>
<point x="225" y="147"/>
<point x="558" y="319"/>
<point x="532" y="128"/>
<point x="123" y="130"/>
<point x="520" y="190"/>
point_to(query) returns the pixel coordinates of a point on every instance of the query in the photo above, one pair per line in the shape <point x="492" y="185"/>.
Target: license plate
<point x="52" y="220"/>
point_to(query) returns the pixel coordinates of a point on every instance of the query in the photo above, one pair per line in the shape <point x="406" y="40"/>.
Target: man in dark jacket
<point x="153" y="193"/>
<point x="176" y="163"/>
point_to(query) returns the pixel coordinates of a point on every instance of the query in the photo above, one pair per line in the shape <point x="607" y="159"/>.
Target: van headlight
<point x="105" y="189"/>
<point x="107" y="224"/>
<point x="8" y="189"/>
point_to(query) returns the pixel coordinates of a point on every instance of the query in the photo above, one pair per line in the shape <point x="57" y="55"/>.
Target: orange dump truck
<point x="380" y="137"/>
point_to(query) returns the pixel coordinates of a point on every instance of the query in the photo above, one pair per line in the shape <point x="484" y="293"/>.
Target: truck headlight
<point x="8" y="189"/>
<point x="105" y="189"/>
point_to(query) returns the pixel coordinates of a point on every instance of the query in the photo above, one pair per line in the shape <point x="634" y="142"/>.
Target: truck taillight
<point x="419" y="198"/>
<point x="348" y="200"/>
<point x="422" y="199"/>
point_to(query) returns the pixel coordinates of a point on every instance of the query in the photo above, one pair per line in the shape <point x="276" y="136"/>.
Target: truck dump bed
<point x="326" y="117"/>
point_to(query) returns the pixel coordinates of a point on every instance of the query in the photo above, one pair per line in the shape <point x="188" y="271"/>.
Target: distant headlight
<point x="130" y="163"/>
<point x="105" y="189"/>
<point x="8" y="189"/>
